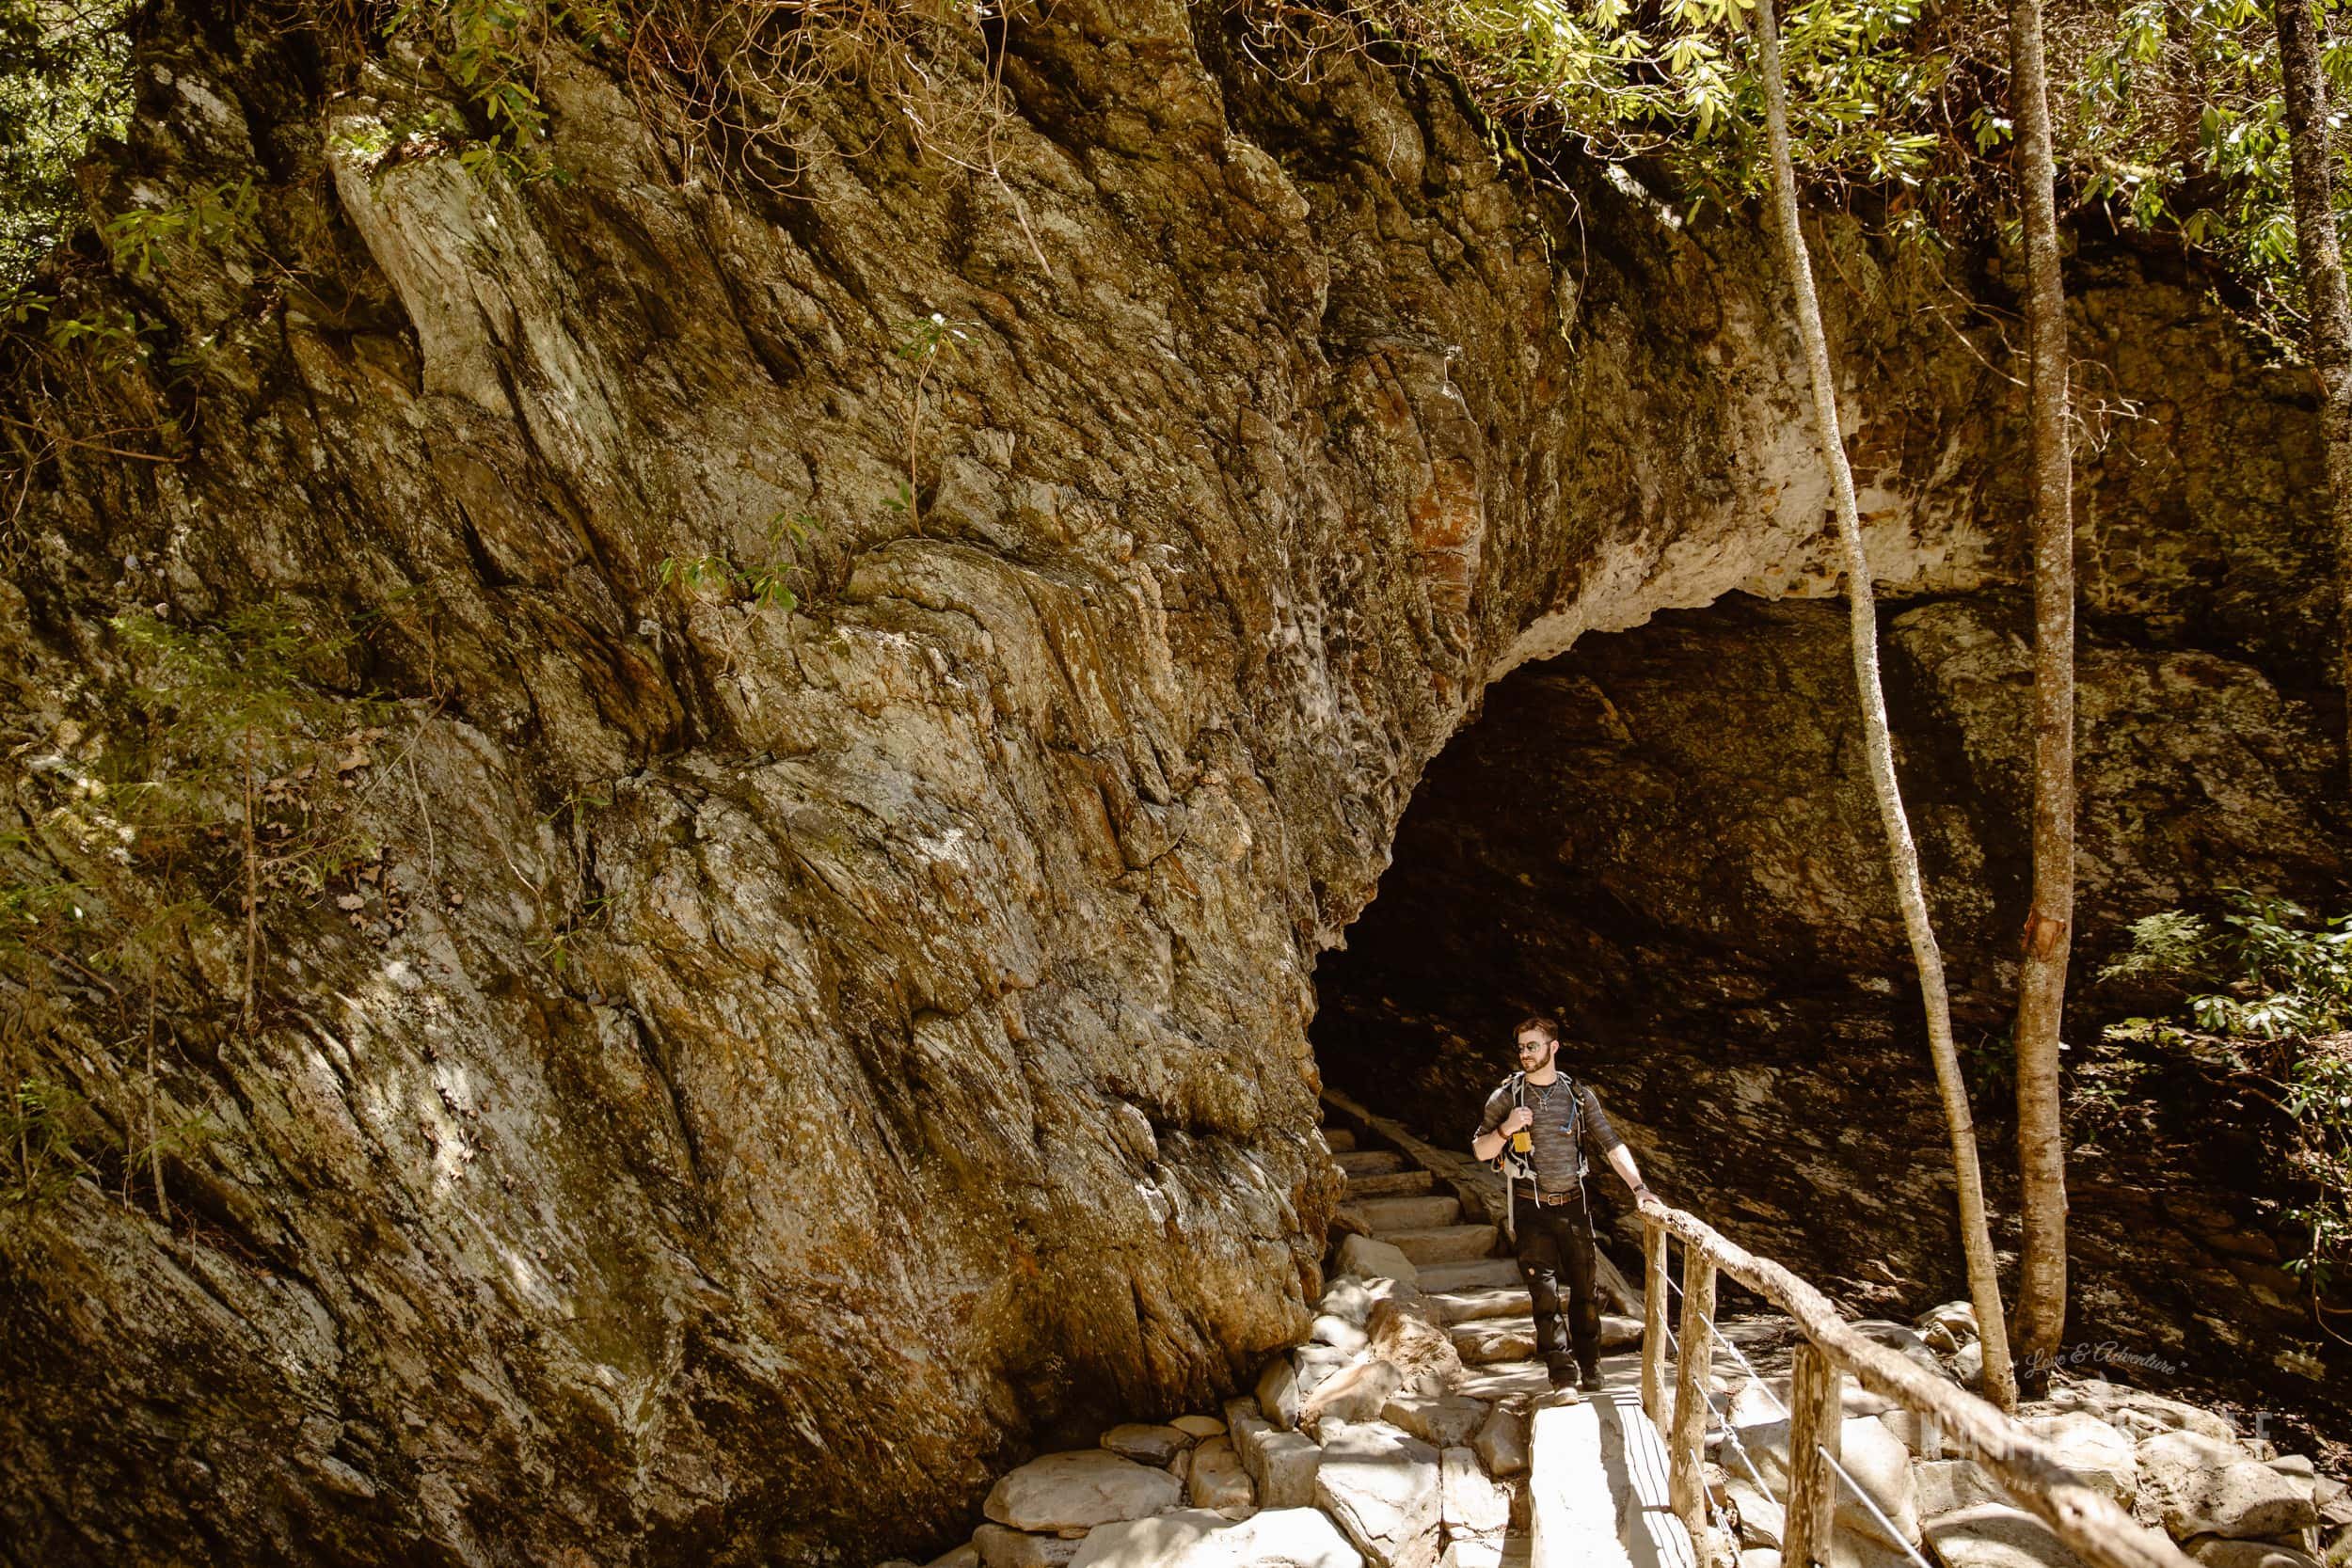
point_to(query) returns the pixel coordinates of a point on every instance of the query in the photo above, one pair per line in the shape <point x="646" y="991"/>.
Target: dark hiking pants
<point x="1556" y="1254"/>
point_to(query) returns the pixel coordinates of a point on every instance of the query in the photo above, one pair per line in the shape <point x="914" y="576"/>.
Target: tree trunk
<point x="2049" y="921"/>
<point x="1984" y="1286"/>
<point x="252" y="883"/>
<point x="2322" y="255"/>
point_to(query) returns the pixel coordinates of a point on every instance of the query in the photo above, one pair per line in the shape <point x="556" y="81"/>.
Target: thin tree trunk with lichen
<point x="155" y="1124"/>
<point x="2049" y="921"/>
<point x="2320" y="252"/>
<point x="1903" y="852"/>
<point x="252" y="883"/>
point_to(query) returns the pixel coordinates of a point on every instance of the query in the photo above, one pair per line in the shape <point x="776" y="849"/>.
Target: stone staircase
<point x="1473" y="1290"/>
<point x="1578" y="1510"/>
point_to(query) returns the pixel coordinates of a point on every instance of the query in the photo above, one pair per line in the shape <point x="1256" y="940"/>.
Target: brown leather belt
<point x="1553" y="1200"/>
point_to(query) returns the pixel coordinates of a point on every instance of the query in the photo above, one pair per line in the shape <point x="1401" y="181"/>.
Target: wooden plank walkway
<point x="1598" y="1474"/>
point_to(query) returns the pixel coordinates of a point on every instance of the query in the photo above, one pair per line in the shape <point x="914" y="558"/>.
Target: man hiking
<point x="1539" y="1127"/>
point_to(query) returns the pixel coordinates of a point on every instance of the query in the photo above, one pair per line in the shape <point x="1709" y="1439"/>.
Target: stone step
<point x="1395" y="1184"/>
<point x="1369" y="1162"/>
<point x="1502" y="1380"/>
<point x="1493" y="1301"/>
<point x="1452" y="1243"/>
<point x="1384" y="1216"/>
<point x="1340" y="1139"/>
<point x="1516" y="1551"/>
<point x="1482" y="1340"/>
<point x="1487" y="1273"/>
<point x="1486" y="1340"/>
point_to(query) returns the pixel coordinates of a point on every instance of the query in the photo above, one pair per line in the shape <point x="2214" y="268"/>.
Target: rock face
<point x="779" y="1062"/>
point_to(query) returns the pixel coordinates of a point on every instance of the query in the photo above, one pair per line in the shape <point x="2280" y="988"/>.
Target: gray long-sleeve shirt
<point x="1561" y="1139"/>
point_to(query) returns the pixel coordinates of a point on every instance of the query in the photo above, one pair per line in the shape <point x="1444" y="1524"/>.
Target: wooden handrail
<point x="2085" y="1520"/>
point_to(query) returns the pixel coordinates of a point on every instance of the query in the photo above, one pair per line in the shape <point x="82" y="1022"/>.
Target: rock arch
<point x="927" y="1075"/>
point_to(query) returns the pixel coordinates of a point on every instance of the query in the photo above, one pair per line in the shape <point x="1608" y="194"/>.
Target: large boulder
<point x="1766" y="1399"/>
<point x="999" y="1547"/>
<point x="1947" y="1328"/>
<point x="1078" y="1489"/>
<point x="2219" y="1551"/>
<point x="2139" y="1412"/>
<point x="1995" y="1535"/>
<point x="1331" y="1329"/>
<point x="1381" y="1485"/>
<point x="1763" y="1521"/>
<point x="1315" y="1363"/>
<point x="1368" y="1260"/>
<point x="1473" y="1503"/>
<point x="1196" y="1538"/>
<point x="2199" y="1486"/>
<point x="1348" y="1299"/>
<point x="1948" y="1485"/>
<point x="1281" y="1464"/>
<point x="1502" y="1443"/>
<point x="1903" y="1340"/>
<point x="1216" y="1480"/>
<point x="1924" y="1436"/>
<point x="1278" y="1391"/>
<point x="1471" y="1551"/>
<point x="1879" y="1463"/>
<point x="1442" y="1419"/>
<point x="1368" y="1395"/>
<point x="2093" y="1449"/>
<point x="1147" y="1445"/>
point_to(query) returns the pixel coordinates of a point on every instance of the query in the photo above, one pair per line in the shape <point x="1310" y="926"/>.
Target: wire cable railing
<point x="1731" y="1438"/>
<point x="2083" y="1518"/>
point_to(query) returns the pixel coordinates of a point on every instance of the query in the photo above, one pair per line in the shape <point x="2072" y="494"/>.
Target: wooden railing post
<point x="1685" y="1482"/>
<point x="1654" y="1306"/>
<point x="1816" y="1422"/>
<point x="2087" y="1521"/>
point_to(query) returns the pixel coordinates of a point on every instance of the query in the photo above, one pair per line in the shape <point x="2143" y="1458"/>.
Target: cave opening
<point x="1665" y="838"/>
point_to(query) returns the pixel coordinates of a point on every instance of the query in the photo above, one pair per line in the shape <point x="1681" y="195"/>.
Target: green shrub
<point x="64" y="81"/>
<point x="2272" y="984"/>
<point x="38" y="1157"/>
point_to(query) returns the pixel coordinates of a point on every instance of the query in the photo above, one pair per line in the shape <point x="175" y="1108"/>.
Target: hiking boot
<point x="1591" y="1381"/>
<point x="1563" y="1376"/>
